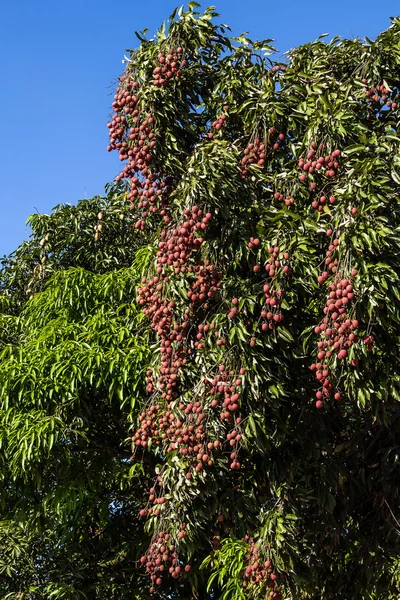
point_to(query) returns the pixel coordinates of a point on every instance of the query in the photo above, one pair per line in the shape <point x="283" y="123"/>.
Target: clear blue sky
<point x="58" y="59"/>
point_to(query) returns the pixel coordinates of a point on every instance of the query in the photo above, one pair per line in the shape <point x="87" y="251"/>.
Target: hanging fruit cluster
<point x="259" y="573"/>
<point x="170" y="67"/>
<point x="177" y="245"/>
<point x="125" y="103"/>
<point x="205" y="286"/>
<point x="337" y="331"/>
<point x="323" y="201"/>
<point x="255" y="152"/>
<point x="279" y="138"/>
<point x="219" y="123"/>
<point x="278" y="68"/>
<point x="380" y="95"/>
<point x="134" y="136"/>
<point x="162" y="558"/>
<point x="226" y="392"/>
<point x="156" y="500"/>
<point x="186" y="433"/>
<point x="277" y="269"/>
<point x="331" y="257"/>
<point x="288" y="200"/>
<point x="328" y="164"/>
<point x="369" y="342"/>
<point x="175" y="249"/>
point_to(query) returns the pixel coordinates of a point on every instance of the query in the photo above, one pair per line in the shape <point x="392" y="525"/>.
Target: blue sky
<point x="58" y="59"/>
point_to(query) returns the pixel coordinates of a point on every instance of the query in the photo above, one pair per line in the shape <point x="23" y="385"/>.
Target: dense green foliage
<point x="70" y="237"/>
<point x="245" y="331"/>
<point x="71" y="366"/>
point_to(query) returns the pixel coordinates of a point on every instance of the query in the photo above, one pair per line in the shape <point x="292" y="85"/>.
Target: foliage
<point x="96" y="234"/>
<point x="71" y="367"/>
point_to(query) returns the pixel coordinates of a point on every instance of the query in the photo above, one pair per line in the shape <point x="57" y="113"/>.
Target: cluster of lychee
<point x="276" y="139"/>
<point x="125" y="103"/>
<point x="319" y="203"/>
<point x="218" y="123"/>
<point x="277" y="68"/>
<point x="380" y="95"/>
<point x="276" y="267"/>
<point x="132" y="135"/>
<point x="148" y="192"/>
<point x="255" y="152"/>
<point x="206" y="284"/>
<point x="177" y="245"/>
<point x="226" y="389"/>
<point x="337" y="331"/>
<point x="369" y="341"/>
<point x="204" y="332"/>
<point x="162" y="557"/>
<point x="185" y="434"/>
<point x="288" y="200"/>
<point x="328" y="164"/>
<point x="259" y="572"/>
<point x="157" y="501"/>
<point x="331" y="259"/>
<point x="175" y="249"/>
<point x="160" y="310"/>
<point x="170" y="67"/>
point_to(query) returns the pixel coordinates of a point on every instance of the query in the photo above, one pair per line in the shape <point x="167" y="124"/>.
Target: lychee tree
<point x="267" y="196"/>
<point x="235" y="301"/>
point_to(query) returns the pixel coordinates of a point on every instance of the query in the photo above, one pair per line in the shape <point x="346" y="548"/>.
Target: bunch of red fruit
<point x="148" y="192"/>
<point x="186" y="434"/>
<point x="162" y="557"/>
<point x="177" y="244"/>
<point x="172" y="348"/>
<point x="157" y="501"/>
<point x="218" y="123"/>
<point x="204" y="331"/>
<point x="125" y="103"/>
<point x="278" y="68"/>
<point x="337" y="333"/>
<point x="175" y="251"/>
<point x="259" y="573"/>
<point x="329" y="163"/>
<point x="254" y="153"/>
<point x="369" y="342"/>
<point x="323" y="201"/>
<point x="278" y="137"/>
<point x="275" y="268"/>
<point x="206" y="284"/>
<point x="380" y="95"/>
<point x="138" y="150"/>
<point x="133" y="136"/>
<point x="288" y="200"/>
<point x="331" y="260"/>
<point x="226" y="397"/>
<point x="170" y="66"/>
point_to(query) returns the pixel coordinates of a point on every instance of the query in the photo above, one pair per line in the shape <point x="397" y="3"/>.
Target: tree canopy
<point x="199" y="373"/>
